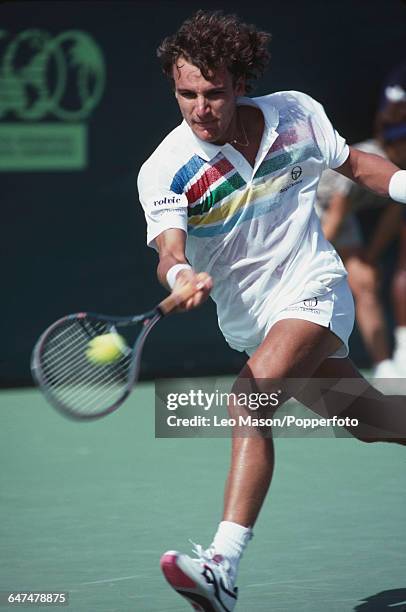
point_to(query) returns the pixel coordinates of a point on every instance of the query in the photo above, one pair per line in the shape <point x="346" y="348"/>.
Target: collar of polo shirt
<point x="207" y="150"/>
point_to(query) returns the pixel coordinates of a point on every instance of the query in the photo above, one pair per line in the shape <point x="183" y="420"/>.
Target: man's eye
<point x="188" y="95"/>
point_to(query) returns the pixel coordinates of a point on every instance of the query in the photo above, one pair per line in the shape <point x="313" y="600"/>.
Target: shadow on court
<point x="395" y="599"/>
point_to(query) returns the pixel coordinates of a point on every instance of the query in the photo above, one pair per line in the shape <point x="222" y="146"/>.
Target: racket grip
<point x="170" y="303"/>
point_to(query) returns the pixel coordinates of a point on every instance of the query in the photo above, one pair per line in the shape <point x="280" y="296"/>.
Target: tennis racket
<point x="80" y="388"/>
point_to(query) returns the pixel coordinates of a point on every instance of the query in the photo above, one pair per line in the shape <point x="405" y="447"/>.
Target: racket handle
<point x="176" y="299"/>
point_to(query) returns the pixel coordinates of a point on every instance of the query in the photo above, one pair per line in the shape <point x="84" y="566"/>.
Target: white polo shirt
<point x="253" y="229"/>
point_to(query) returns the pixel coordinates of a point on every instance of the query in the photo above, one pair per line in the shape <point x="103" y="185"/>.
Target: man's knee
<point x="261" y="397"/>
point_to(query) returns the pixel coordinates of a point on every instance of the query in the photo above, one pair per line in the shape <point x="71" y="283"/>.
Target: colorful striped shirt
<point x="254" y="229"/>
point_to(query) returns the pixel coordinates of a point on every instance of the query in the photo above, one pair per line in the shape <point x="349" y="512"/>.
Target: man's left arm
<point x="375" y="173"/>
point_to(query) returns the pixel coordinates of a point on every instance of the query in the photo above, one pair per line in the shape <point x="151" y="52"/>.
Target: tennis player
<point x="229" y="202"/>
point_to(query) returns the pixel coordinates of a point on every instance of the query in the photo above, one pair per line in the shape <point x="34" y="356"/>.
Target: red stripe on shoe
<point x="174" y="574"/>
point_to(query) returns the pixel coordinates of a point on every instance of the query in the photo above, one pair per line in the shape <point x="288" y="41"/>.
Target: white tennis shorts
<point x="334" y="310"/>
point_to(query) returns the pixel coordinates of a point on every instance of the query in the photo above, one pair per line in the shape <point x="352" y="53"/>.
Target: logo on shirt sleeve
<point x="167" y="200"/>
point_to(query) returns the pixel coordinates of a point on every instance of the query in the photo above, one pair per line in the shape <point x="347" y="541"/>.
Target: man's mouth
<point x="205" y="123"/>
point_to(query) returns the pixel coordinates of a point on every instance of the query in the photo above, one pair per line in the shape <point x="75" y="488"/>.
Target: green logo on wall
<point x="44" y="77"/>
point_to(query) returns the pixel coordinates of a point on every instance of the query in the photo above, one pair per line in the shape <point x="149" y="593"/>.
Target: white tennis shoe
<point x="205" y="581"/>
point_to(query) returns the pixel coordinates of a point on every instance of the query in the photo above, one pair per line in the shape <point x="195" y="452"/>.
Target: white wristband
<point x="172" y="273"/>
<point x="397" y="186"/>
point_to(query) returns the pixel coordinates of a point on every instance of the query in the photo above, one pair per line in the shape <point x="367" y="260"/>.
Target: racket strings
<point x="71" y="378"/>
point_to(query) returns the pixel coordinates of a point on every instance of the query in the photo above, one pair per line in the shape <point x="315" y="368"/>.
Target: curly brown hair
<point x="211" y="39"/>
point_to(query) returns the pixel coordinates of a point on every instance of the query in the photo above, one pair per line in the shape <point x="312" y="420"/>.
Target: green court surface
<point x="89" y="508"/>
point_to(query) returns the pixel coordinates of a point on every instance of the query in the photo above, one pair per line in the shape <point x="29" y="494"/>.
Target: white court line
<point x="110" y="580"/>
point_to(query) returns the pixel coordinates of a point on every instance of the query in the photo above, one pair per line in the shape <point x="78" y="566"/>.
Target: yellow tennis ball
<point x="106" y="348"/>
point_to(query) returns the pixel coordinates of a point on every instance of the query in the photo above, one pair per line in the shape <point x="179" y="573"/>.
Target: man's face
<point x="208" y="107"/>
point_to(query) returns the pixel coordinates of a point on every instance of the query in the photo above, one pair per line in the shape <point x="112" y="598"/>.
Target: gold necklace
<point x="235" y="140"/>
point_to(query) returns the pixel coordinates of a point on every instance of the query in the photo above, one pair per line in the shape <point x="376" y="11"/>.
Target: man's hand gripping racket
<point x="85" y="381"/>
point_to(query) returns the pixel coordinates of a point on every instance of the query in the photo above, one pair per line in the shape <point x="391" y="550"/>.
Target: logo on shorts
<point x="296" y="173"/>
<point x="308" y="305"/>
<point x="311" y="303"/>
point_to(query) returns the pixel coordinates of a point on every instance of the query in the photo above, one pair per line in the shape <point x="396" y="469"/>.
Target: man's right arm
<point x="166" y="215"/>
<point x="171" y="248"/>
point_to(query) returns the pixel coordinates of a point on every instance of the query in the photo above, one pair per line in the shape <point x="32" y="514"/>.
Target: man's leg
<point x="298" y="350"/>
<point x="346" y="393"/>
<point x="295" y="349"/>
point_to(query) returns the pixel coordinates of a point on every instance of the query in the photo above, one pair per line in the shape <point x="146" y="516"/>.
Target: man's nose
<point x="202" y="106"/>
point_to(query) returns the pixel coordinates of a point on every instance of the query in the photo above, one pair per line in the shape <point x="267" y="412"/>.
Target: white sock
<point x="230" y="542"/>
